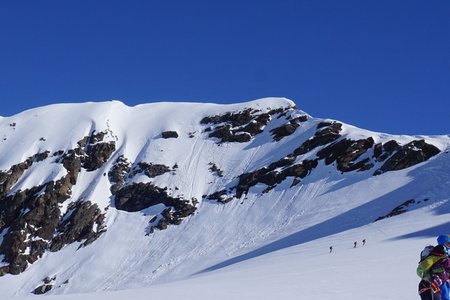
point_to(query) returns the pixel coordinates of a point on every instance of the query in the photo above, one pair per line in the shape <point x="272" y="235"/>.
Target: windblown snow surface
<point x="271" y="245"/>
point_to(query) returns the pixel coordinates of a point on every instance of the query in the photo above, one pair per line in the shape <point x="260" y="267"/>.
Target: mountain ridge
<point x="159" y="166"/>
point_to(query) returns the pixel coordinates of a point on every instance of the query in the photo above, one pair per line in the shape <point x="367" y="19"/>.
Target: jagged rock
<point x="240" y="138"/>
<point x="326" y="133"/>
<point x="174" y="215"/>
<point x="377" y="150"/>
<point x="91" y="153"/>
<point x="138" y="196"/>
<point x="183" y="209"/>
<point x="254" y="127"/>
<point x="398" y="210"/>
<point x="33" y="215"/>
<point x="300" y="170"/>
<point x="97" y="155"/>
<point x="42" y="289"/>
<point x="169" y="134"/>
<point x="78" y="225"/>
<point x="283" y="131"/>
<point x="270" y="177"/>
<point x="72" y="163"/>
<point x="288" y="128"/>
<point x="41" y="156"/>
<point x="151" y="170"/>
<point x="118" y="172"/>
<point x="345" y="152"/>
<point x="408" y="155"/>
<point x="220" y="196"/>
<point x="225" y="134"/>
<point x="48" y="280"/>
<point x="236" y="119"/>
<point x="381" y="153"/>
<point x="58" y="153"/>
<point x="239" y="126"/>
<point x="215" y="169"/>
<point x="28" y="215"/>
<point x="222" y="132"/>
<point x="96" y="152"/>
<point x="9" y="178"/>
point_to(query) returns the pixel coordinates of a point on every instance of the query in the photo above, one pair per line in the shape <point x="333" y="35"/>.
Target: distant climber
<point x="355" y="244"/>
<point x="331" y="249"/>
<point x="364" y="241"/>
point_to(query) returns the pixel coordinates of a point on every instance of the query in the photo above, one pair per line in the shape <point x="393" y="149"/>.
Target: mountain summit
<point x="102" y="196"/>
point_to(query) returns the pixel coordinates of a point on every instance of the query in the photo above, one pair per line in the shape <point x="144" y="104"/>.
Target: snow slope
<point x="264" y="246"/>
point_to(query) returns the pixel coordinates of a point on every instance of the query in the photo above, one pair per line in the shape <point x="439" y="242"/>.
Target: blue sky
<point x="379" y="65"/>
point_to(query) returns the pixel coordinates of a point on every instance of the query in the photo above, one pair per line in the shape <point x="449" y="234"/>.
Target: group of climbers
<point x="434" y="270"/>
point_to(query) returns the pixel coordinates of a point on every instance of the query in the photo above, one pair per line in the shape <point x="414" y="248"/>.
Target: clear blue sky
<point x="380" y="65"/>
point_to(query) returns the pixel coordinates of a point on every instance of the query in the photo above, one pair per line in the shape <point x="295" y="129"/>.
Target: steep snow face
<point x="176" y="189"/>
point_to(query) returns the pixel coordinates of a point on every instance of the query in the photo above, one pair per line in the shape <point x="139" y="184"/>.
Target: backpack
<point x="428" y="258"/>
<point x="425" y="252"/>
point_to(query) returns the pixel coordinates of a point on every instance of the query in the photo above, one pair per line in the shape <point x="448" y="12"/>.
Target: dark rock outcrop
<point x="118" y="172"/>
<point x="45" y="287"/>
<point x="234" y="119"/>
<point x="215" y="169"/>
<point x="239" y="126"/>
<point x="345" y="152"/>
<point x="40" y="290"/>
<point x="402" y="208"/>
<point x="149" y="169"/>
<point x="32" y="217"/>
<point x="220" y="196"/>
<point x="78" y="225"/>
<point x="383" y="151"/>
<point x="288" y="128"/>
<point x="271" y="177"/>
<point x="96" y="152"/>
<point x="122" y="170"/>
<point x="169" y="134"/>
<point x="278" y="171"/>
<point x="326" y="133"/>
<point x="175" y="215"/>
<point x="138" y="196"/>
<point x="32" y="221"/>
<point x="10" y="177"/>
<point x="408" y="155"/>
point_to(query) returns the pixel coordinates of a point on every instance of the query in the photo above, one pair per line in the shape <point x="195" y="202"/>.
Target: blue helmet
<point x="442" y="239"/>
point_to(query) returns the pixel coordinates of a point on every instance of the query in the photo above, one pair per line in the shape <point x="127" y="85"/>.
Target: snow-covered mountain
<point x="221" y="201"/>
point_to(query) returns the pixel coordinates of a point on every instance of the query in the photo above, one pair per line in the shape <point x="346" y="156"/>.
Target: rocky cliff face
<point x="331" y="148"/>
<point x="46" y="217"/>
<point x="31" y="221"/>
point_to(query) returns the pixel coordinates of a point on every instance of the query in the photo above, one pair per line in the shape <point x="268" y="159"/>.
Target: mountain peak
<point x="139" y="184"/>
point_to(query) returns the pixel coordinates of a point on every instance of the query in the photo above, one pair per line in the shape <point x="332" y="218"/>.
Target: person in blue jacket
<point x="444" y="240"/>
